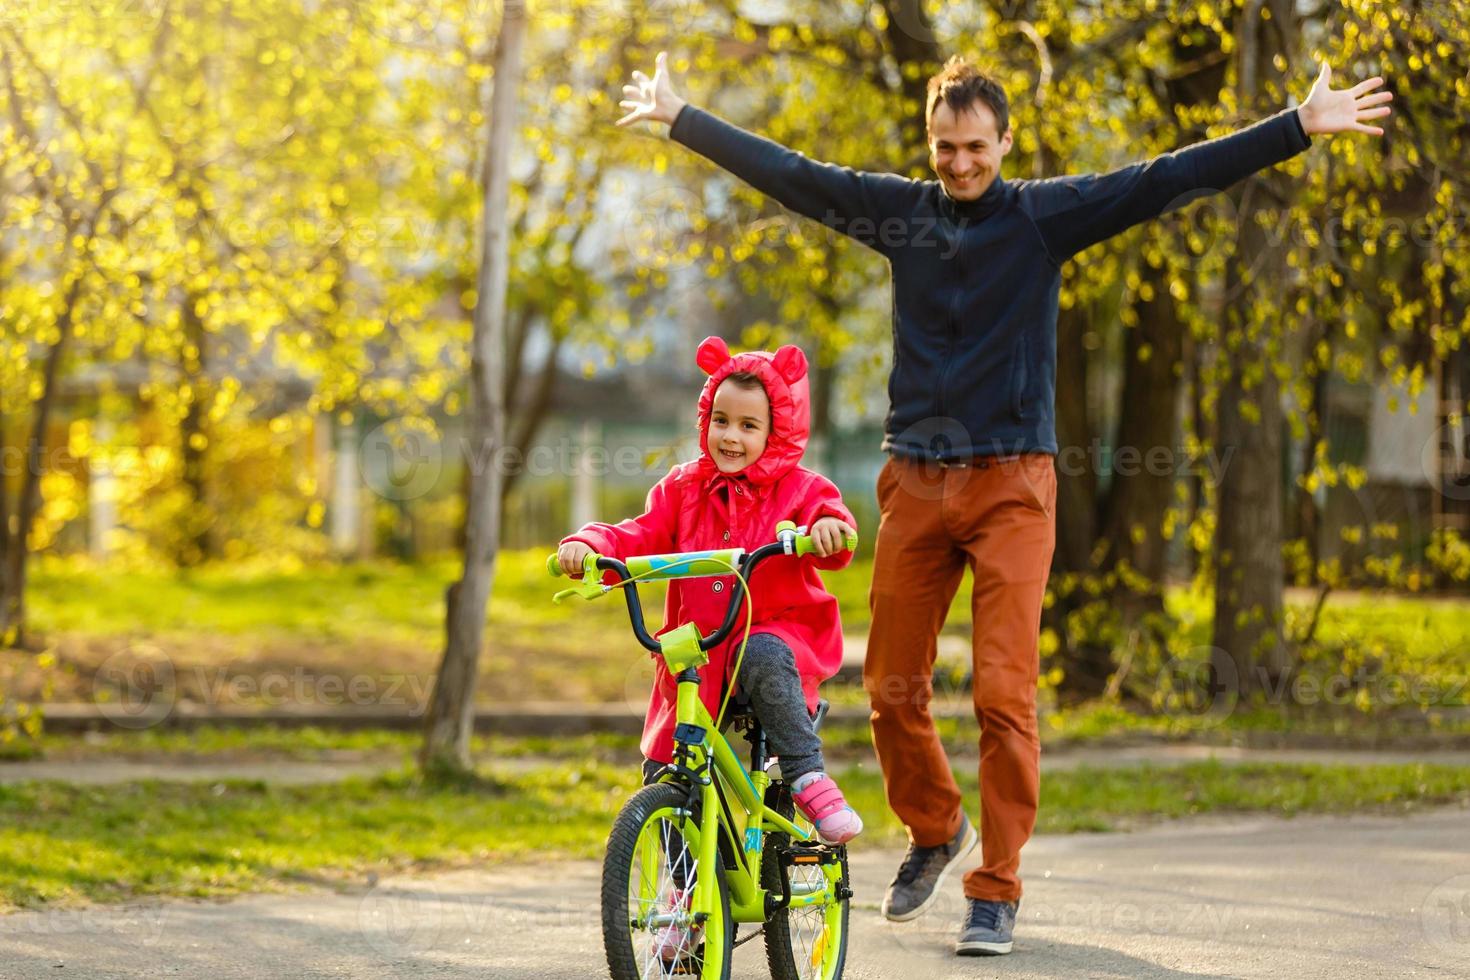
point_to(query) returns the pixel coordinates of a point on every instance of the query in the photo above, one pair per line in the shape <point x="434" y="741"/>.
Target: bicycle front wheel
<point x="806" y="942"/>
<point x="649" y="925"/>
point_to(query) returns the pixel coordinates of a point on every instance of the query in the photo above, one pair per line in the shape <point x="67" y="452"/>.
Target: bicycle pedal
<point x="689" y="966"/>
<point x="812" y="852"/>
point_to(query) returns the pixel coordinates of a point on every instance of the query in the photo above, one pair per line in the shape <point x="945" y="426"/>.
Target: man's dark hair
<point x="960" y="84"/>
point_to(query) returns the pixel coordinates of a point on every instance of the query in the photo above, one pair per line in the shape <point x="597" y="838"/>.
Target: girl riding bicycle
<point x="753" y="425"/>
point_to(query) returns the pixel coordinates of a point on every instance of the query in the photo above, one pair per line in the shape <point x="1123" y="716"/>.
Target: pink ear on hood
<point x="790" y="363"/>
<point x="711" y="354"/>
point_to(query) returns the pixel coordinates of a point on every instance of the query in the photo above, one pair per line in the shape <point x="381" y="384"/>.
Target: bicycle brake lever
<point x="588" y="589"/>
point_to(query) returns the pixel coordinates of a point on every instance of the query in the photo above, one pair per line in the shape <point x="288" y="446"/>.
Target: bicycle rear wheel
<point x="648" y="877"/>
<point x="806" y="942"/>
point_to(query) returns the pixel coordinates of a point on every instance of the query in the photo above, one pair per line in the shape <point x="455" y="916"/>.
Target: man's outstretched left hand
<point x="1329" y="110"/>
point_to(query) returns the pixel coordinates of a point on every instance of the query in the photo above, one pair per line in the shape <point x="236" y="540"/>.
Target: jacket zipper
<point x="954" y="325"/>
<point x="959" y="255"/>
<point x="1020" y="376"/>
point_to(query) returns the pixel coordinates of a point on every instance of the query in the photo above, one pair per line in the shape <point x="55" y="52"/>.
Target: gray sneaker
<point x="922" y="872"/>
<point x="987" y="929"/>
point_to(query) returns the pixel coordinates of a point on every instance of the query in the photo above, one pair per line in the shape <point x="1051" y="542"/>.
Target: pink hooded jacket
<point x="697" y="507"/>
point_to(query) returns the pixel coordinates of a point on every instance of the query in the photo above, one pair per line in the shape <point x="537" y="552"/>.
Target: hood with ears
<point x="783" y="374"/>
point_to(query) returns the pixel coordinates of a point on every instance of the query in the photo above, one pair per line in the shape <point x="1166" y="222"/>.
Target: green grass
<point x="1101" y="721"/>
<point x="62" y="844"/>
<point x="1109" y="799"/>
<point x="380" y="620"/>
<point x="301" y="744"/>
<point x="222" y="743"/>
<point x="406" y="602"/>
<point x="1096" y="723"/>
<point x="333" y="602"/>
<point x="385" y="620"/>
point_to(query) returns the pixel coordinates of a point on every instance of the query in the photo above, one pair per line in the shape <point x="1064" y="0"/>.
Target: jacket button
<point x="719" y="586"/>
<point x="727" y="535"/>
<point x="739" y="491"/>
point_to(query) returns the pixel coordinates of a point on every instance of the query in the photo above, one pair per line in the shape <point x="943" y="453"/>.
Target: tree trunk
<point x="12" y="603"/>
<point x="1202" y="427"/>
<point x="1318" y="415"/>
<point x="1249" y="570"/>
<point x="1076" y="475"/>
<point x="518" y="331"/>
<point x="1148" y="432"/>
<point x="916" y="48"/>
<point x="198" y="543"/>
<point x="1150" y="410"/>
<point x="4" y="484"/>
<point x="451" y="710"/>
<point x="1085" y="666"/>
<point x="527" y="421"/>
<point x="5" y="545"/>
<point x="823" y="388"/>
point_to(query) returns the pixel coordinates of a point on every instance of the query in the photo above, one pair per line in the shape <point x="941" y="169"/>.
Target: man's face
<point x="965" y="150"/>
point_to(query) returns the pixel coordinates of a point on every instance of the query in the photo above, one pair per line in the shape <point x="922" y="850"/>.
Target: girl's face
<point x="739" y="423"/>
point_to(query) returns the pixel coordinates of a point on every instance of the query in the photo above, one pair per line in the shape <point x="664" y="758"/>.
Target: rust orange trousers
<point x="999" y="518"/>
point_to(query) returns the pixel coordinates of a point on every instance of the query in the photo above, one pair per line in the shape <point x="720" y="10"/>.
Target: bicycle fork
<point x="690" y="752"/>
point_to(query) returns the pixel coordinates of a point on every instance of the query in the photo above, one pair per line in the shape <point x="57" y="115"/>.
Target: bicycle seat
<point x="739" y="708"/>
<point x="823" y="706"/>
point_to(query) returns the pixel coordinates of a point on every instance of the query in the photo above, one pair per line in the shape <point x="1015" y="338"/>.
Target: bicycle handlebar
<point x="693" y="564"/>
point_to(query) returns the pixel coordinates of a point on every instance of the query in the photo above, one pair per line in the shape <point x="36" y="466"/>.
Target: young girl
<point x="753" y="423"/>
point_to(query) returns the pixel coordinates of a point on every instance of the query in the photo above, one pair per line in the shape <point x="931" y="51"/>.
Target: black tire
<point x="623" y="960"/>
<point x="782" y="929"/>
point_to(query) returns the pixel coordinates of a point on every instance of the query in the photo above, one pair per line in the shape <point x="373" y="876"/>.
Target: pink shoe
<point x="673" y="942"/>
<point x="817" y="797"/>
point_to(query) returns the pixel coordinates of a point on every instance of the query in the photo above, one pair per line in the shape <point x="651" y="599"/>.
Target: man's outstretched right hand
<point x="651" y="98"/>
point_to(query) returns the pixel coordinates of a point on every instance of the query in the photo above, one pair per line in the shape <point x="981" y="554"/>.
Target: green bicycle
<point x="663" y="912"/>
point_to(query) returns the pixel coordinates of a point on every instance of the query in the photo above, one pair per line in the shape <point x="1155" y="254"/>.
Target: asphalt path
<point x="1343" y="897"/>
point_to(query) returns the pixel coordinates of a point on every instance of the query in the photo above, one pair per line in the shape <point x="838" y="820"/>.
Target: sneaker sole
<point x="982" y="949"/>
<point x="969" y="845"/>
<point x="839" y="841"/>
<point x="843" y="838"/>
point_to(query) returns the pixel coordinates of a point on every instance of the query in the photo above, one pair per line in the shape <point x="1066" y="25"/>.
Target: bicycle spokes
<point x="807" y="940"/>
<point x="666" y="939"/>
<point x="809" y="924"/>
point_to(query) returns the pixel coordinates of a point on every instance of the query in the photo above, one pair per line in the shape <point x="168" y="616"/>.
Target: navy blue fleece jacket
<point x="975" y="283"/>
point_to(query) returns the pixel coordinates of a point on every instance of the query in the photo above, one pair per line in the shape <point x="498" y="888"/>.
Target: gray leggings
<point x="768" y="677"/>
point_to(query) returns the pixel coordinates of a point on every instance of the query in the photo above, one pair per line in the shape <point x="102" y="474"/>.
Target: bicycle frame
<point x="703" y="759"/>
<point x="705" y="750"/>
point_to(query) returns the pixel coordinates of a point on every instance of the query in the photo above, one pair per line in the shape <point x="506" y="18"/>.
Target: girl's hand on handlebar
<point x="571" y="555"/>
<point x="829" y="536"/>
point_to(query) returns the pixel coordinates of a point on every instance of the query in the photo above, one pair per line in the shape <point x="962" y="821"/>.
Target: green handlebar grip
<point x="805" y="545"/>
<point x="589" y="566"/>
